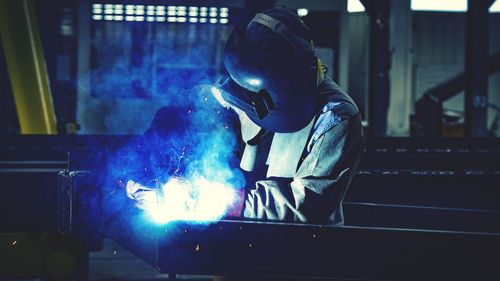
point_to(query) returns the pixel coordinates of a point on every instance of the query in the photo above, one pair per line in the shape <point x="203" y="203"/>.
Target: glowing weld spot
<point x="198" y="200"/>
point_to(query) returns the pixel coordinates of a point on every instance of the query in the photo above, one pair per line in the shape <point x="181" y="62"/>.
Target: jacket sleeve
<point x="316" y="192"/>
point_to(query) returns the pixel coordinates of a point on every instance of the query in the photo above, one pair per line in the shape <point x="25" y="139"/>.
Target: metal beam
<point x="476" y="62"/>
<point x="380" y="62"/>
<point x="429" y="108"/>
<point x="400" y="105"/>
<point x="26" y="66"/>
<point x="453" y="86"/>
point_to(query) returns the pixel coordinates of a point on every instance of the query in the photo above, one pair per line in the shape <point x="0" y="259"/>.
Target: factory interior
<point x="94" y="95"/>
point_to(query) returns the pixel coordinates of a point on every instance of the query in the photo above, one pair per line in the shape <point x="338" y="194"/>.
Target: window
<point x="354" y="6"/>
<point x="439" y="5"/>
<point x="495" y="7"/>
<point x="151" y="13"/>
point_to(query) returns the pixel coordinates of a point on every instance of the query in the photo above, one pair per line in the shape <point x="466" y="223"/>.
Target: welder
<point x="303" y="134"/>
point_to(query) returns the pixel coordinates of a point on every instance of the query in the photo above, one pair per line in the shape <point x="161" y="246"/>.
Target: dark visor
<point x="258" y="104"/>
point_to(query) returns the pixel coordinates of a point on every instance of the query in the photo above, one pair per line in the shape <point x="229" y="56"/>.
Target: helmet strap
<point x="298" y="44"/>
<point x="320" y="75"/>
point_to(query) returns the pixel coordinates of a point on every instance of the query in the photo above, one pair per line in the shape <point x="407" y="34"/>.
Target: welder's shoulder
<point x="334" y="149"/>
<point x="339" y="113"/>
<point x="330" y="92"/>
<point x="337" y="138"/>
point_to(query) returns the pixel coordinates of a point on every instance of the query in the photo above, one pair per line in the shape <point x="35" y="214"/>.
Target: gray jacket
<point x="314" y="190"/>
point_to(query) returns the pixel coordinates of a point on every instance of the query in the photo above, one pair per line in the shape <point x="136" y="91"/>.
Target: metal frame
<point x="380" y="63"/>
<point x="429" y="109"/>
<point x="476" y="62"/>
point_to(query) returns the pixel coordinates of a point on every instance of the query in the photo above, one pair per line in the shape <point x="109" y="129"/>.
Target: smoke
<point x="195" y="141"/>
<point x="155" y="81"/>
<point x="136" y="69"/>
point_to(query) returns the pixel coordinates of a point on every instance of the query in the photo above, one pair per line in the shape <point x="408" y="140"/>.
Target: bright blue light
<point x="197" y="200"/>
<point x="216" y="92"/>
<point x="255" y="82"/>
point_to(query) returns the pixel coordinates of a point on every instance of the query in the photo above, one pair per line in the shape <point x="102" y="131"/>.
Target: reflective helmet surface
<point x="273" y="81"/>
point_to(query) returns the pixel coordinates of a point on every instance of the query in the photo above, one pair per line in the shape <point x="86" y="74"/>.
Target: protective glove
<point x="143" y="196"/>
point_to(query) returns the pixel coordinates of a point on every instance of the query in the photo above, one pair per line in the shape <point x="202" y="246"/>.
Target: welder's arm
<point x="318" y="188"/>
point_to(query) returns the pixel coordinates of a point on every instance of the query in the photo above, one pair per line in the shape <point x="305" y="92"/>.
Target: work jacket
<point x="304" y="176"/>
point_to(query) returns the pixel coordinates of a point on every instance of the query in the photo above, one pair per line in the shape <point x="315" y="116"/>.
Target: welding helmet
<point x="273" y="71"/>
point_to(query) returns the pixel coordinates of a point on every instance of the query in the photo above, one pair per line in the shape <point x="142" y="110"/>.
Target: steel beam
<point x="476" y="62"/>
<point x="429" y="108"/>
<point x="380" y="62"/>
<point x="455" y="85"/>
<point x="26" y="67"/>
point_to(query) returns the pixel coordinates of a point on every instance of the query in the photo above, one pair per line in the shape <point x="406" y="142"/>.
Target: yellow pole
<point x="26" y="67"/>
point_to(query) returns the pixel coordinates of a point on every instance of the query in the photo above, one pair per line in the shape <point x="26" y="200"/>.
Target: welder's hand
<point x="142" y="195"/>
<point x="235" y="209"/>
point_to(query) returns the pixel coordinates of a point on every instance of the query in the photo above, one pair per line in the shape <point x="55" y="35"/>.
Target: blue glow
<point x="192" y="137"/>
<point x="185" y="169"/>
<point x="255" y="82"/>
<point x="216" y="92"/>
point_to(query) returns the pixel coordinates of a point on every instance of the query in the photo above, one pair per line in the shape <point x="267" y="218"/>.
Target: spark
<point x="14" y="243"/>
<point x="197" y="248"/>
